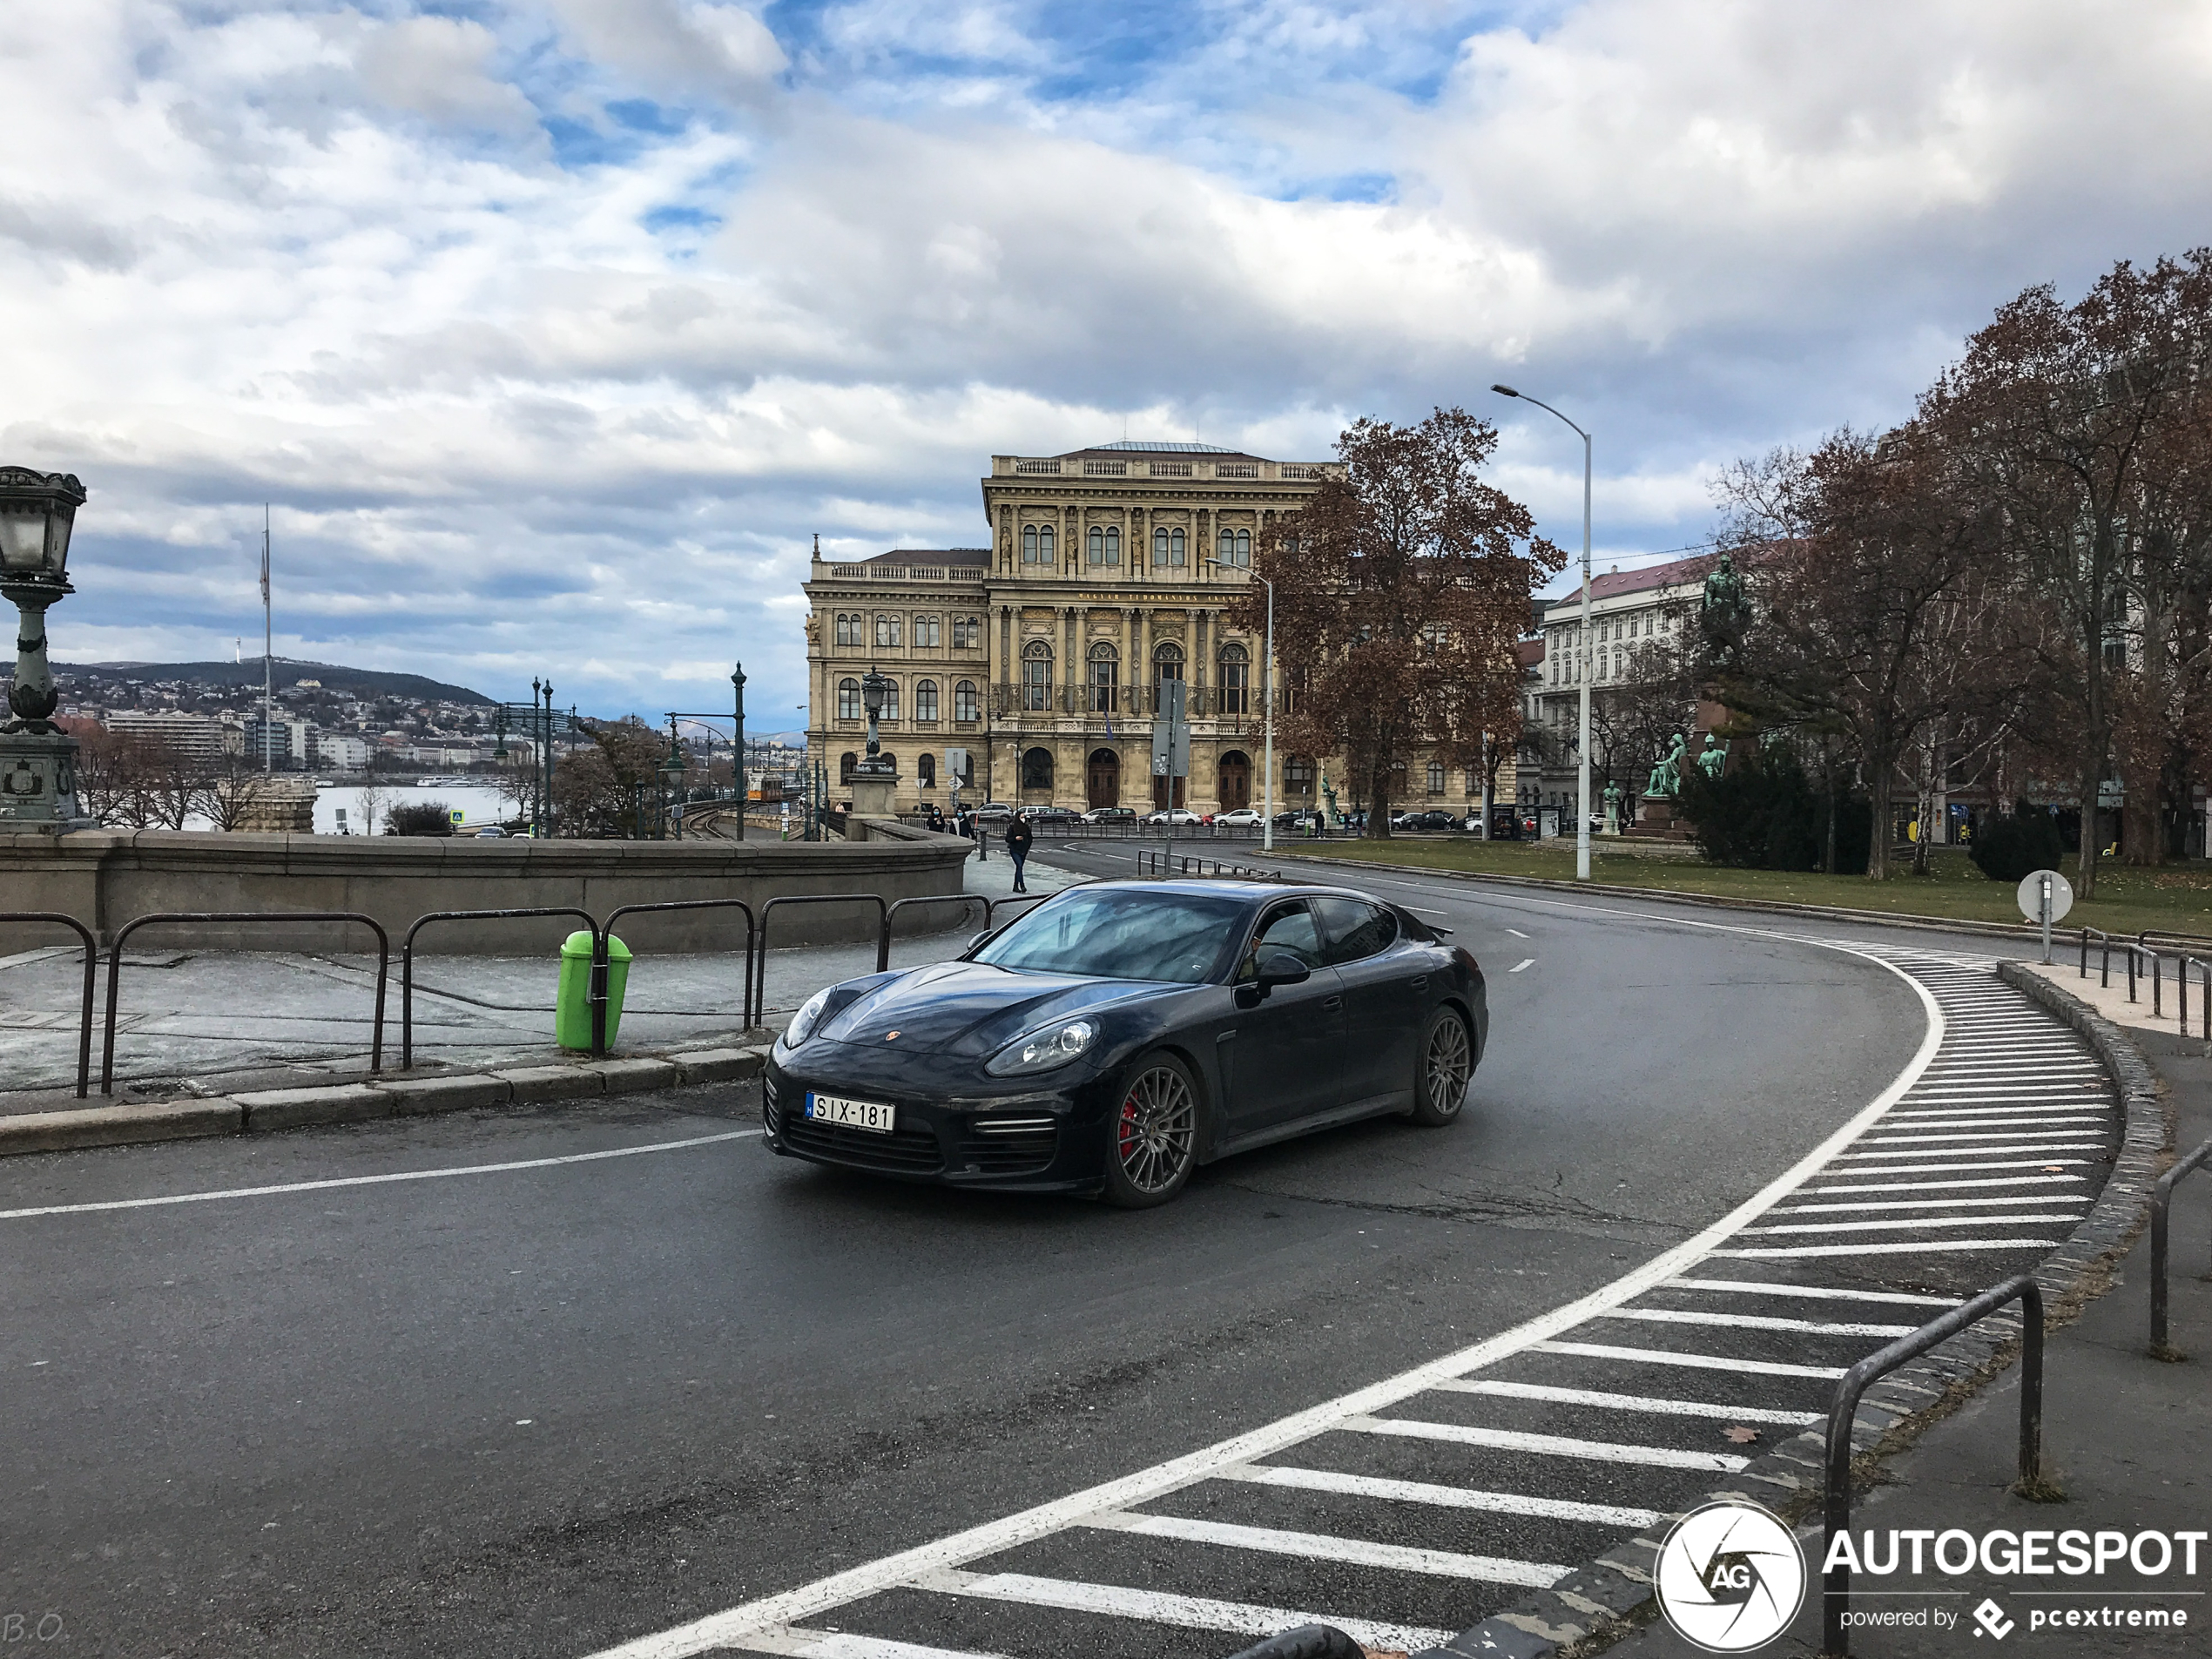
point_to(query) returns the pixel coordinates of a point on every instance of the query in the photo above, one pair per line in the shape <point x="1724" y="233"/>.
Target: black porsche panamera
<point x="1121" y="1034"/>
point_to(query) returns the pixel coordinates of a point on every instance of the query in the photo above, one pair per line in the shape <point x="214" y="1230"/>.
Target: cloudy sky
<point x="553" y="329"/>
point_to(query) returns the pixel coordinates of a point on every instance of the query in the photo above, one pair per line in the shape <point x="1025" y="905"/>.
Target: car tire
<point x="1443" y="1069"/>
<point x="1151" y="1133"/>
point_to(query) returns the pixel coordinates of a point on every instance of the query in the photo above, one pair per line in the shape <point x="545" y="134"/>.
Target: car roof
<point x="1215" y="887"/>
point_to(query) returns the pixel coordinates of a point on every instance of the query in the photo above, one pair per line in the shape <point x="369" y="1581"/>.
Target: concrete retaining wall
<point x="105" y="878"/>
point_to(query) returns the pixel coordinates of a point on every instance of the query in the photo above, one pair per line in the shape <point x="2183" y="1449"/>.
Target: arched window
<point x="1037" y="769"/>
<point x="1044" y="544"/>
<point x="1159" y="546"/>
<point x="848" y="628"/>
<point x="891" y="701"/>
<point x="925" y="631"/>
<point x="1029" y="544"/>
<point x="847" y="764"/>
<point x="1036" y="678"/>
<point x="966" y="632"/>
<point x="1167" y="665"/>
<point x="1098" y="545"/>
<point x="926" y="766"/>
<point x="1236" y="679"/>
<point x="1105" y="679"/>
<point x="890" y="630"/>
<point x="1243" y="547"/>
<point x="925" y="700"/>
<point x="1113" y="544"/>
<point x="964" y="700"/>
<point x="1225" y="546"/>
<point x="848" y="699"/>
<point x="1435" y="776"/>
<point x="1175" y="547"/>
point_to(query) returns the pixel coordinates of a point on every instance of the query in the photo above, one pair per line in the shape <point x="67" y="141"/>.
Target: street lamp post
<point x="1582" y="659"/>
<point x="1267" y="713"/>
<point x="37" y="758"/>
<point x="736" y="687"/>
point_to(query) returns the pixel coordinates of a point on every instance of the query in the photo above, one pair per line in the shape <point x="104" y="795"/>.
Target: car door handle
<point x="1420" y="984"/>
<point x="1330" y="1004"/>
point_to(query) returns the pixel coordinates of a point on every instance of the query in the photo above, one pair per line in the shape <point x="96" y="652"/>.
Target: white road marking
<point x="1696" y="1361"/>
<point x="1516" y="933"/>
<point x="1632" y="1402"/>
<point x="1825" y="1293"/>
<point x="1517" y="967"/>
<point x="1944" y="1168"/>
<point x="1938" y="1186"/>
<point x="1353" y="1552"/>
<point x="1157" y="1607"/>
<point x="1760" y="1322"/>
<point x="1916" y="1221"/>
<point x="838" y="1644"/>
<point x="1496" y="1503"/>
<point x="375" y="1180"/>
<point x="1983" y="1139"/>
<point x="1803" y="1251"/>
<point x="1513" y="1440"/>
<point x="2082" y="1202"/>
<point x="1980" y="1145"/>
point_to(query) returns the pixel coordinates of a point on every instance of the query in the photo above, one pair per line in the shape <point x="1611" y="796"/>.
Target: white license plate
<point x="853" y="1114"/>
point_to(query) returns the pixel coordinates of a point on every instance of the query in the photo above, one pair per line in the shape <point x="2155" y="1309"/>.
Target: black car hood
<point x="973" y="1007"/>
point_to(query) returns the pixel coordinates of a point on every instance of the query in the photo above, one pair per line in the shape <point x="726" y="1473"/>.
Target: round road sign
<point x="2031" y="894"/>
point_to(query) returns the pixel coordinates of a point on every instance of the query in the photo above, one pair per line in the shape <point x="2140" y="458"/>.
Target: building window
<point x="1235" y="546"/>
<point x="891" y="701"/>
<point x="1036" y="678"/>
<point x="848" y="699"/>
<point x="1159" y="547"/>
<point x="1113" y="544"/>
<point x="1435" y="776"/>
<point x="964" y="700"/>
<point x="1167" y="665"/>
<point x="926" y="766"/>
<point x="925" y="700"/>
<point x="1236" y="680"/>
<point x="849" y="629"/>
<point x="1097" y="545"/>
<point x="890" y="630"/>
<point x="1044" y="544"/>
<point x="1297" y="775"/>
<point x="847" y="764"/>
<point x="1105" y="678"/>
<point x="1037" y="769"/>
<point x="1029" y="544"/>
<point x="964" y="632"/>
<point x="925" y="631"/>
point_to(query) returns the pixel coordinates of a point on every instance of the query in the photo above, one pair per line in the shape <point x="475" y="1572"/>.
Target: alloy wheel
<point x="1158" y="1124"/>
<point x="1447" y="1064"/>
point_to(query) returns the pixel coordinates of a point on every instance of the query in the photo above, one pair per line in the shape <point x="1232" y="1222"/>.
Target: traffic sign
<point x="2031" y="895"/>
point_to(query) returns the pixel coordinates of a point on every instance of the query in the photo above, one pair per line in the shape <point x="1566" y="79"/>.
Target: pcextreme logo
<point x="1730" y="1577"/>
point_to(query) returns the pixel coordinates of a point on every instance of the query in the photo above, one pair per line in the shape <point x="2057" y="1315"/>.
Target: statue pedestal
<point x="872" y="797"/>
<point x="38" y="784"/>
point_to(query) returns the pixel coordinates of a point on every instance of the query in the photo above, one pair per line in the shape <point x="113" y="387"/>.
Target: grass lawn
<point x="2175" y="899"/>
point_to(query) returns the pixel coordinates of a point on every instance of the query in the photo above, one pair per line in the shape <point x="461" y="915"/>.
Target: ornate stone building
<point x="1109" y="573"/>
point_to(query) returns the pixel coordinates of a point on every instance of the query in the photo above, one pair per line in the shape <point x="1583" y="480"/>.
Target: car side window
<point x="1355" y="929"/>
<point x="1289" y="927"/>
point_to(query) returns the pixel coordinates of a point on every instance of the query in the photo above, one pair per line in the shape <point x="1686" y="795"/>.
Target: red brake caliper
<point x="1129" y="1135"/>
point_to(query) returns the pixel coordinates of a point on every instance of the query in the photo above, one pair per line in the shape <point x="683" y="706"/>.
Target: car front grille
<point x="911" y="1149"/>
<point x="1009" y="1145"/>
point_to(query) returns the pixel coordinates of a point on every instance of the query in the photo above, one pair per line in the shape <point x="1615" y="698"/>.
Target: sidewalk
<point x="2153" y="1020"/>
<point x="209" y="1022"/>
<point x="2128" y="1438"/>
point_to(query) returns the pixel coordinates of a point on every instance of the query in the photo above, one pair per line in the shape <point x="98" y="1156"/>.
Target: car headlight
<point x="802" y="1023"/>
<point x="1044" y="1050"/>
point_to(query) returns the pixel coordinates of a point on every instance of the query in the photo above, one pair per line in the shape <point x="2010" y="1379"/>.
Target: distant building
<point x="195" y="734"/>
<point x="288" y="743"/>
<point x="341" y="752"/>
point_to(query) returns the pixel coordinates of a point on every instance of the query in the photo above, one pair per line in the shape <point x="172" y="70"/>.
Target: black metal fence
<point x="2162" y="1204"/>
<point x="92" y="970"/>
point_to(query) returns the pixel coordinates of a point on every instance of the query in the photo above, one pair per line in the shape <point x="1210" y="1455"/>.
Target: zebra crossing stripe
<point x="1498" y="1503"/>
<point x="1761" y="1322"/>
<point x="1632" y="1402"/>
<point x="1513" y="1440"/>
<point x="1936" y="1186"/>
<point x="1804" y="1251"/>
<point x="1916" y="1221"/>
<point x="1829" y="1292"/>
<point x="1324" y="1546"/>
<point x="1186" y="1612"/>
<point x="838" y="1644"/>
<point x="2082" y="1202"/>
<point x="1695" y="1361"/>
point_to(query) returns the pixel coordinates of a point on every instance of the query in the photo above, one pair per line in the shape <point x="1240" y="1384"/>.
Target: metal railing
<point x="92" y="970"/>
<point x="407" y="958"/>
<point x="761" y="948"/>
<point x="1835" y="1582"/>
<point x="115" y="967"/>
<point x="597" y="992"/>
<point x="2130" y="951"/>
<point x="2161" y="1202"/>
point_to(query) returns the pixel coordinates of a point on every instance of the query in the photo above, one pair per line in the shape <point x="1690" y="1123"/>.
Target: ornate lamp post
<point x="37" y="758"/>
<point x="874" y="780"/>
<point x="672" y="784"/>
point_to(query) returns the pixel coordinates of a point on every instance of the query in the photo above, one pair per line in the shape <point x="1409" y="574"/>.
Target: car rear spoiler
<point x="1420" y="922"/>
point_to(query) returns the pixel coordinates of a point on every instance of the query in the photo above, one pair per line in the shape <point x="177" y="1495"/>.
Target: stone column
<point x="1070" y="630"/>
<point x="1194" y="667"/>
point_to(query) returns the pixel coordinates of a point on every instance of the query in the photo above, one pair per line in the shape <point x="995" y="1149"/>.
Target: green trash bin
<point x="572" y="1003"/>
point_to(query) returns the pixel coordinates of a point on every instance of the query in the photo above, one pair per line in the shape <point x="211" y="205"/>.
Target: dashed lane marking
<point x="1517" y="967"/>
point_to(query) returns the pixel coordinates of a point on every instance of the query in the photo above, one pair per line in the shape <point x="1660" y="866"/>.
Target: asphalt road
<point x="541" y="1410"/>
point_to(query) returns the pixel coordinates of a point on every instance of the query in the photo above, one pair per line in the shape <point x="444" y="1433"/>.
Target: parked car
<point x="1238" y="817"/>
<point x="1052" y="815"/>
<point x="1433" y="819"/>
<point x="1080" y="1049"/>
<point x="1111" y="815"/>
<point x="1172" y="815"/>
<point x="993" y="811"/>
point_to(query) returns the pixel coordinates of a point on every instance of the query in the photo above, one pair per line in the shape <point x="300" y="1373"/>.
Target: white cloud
<point x="670" y="48"/>
<point x="442" y="67"/>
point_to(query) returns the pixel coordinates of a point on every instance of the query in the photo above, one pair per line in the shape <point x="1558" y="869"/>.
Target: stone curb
<point x="1598" y="1604"/>
<point x="2019" y="931"/>
<point x="264" y="1111"/>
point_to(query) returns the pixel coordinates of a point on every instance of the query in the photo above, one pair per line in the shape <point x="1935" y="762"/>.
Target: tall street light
<point x="1267" y="712"/>
<point x="37" y="758"/>
<point x="1581" y="655"/>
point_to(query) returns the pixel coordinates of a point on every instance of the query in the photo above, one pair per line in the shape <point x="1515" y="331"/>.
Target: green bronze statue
<point x="1714" y="761"/>
<point x="1666" y="777"/>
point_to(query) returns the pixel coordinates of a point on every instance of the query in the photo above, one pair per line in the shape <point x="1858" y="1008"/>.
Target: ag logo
<point x="1730" y="1577"/>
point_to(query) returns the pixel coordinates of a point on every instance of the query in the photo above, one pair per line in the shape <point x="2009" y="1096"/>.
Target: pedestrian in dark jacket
<point x="1017" y="847"/>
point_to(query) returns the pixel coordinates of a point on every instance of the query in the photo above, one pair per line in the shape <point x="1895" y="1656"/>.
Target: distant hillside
<point x="361" y="682"/>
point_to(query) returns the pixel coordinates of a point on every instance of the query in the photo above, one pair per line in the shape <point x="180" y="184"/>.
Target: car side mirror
<point x="1280" y="967"/>
<point x="982" y="938"/>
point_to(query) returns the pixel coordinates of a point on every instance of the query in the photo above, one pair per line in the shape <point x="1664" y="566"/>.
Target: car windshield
<point x="1120" y="933"/>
